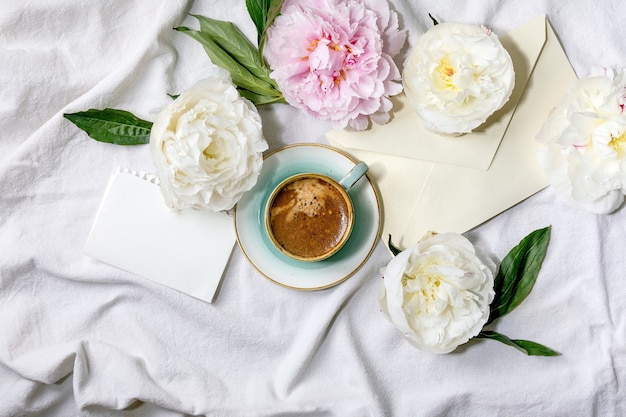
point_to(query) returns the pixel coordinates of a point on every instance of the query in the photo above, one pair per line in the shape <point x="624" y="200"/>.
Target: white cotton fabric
<point x="79" y="337"/>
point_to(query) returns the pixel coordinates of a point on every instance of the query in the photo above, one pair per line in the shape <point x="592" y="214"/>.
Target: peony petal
<point x="456" y="76"/>
<point x="584" y="142"/>
<point x="207" y="145"/>
<point x="438" y="292"/>
<point x="331" y="59"/>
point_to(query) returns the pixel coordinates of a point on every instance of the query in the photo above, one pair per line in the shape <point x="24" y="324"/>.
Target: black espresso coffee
<point x="309" y="217"/>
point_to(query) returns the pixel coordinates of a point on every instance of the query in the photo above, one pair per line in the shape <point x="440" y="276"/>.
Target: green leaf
<point x="518" y="272"/>
<point x="257" y="9"/>
<point x="263" y="13"/>
<point x="526" y="346"/>
<point x="394" y="250"/>
<point x="228" y="37"/>
<point x="261" y="99"/>
<point x="240" y="76"/>
<point x="273" y="12"/>
<point x="112" y="126"/>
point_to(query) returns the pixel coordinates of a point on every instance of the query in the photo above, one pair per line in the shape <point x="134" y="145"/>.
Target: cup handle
<point x="354" y="175"/>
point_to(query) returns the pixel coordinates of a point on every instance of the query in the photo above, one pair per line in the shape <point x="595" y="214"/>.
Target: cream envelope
<point x="447" y="184"/>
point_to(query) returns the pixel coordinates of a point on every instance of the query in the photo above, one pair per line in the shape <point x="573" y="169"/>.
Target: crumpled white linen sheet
<point x="79" y="337"/>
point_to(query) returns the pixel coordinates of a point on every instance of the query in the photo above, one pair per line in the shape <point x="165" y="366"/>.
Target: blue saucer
<point x="279" y="268"/>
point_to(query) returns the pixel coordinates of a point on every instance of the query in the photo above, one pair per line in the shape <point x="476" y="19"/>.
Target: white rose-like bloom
<point x="207" y="145"/>
<point x="456" y="76"/>
<point x="584" y="142"/>
<point x="437" y="292"/>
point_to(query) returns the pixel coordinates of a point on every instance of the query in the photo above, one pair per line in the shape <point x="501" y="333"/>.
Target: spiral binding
<point x="143" y="175"/>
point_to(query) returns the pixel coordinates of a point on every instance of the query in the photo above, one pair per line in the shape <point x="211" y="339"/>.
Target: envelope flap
<point x="405" y="136"/>
<point x="524" y="44"/>
<point x="419" y="196"/>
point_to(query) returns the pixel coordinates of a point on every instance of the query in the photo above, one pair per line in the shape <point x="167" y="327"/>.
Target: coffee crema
<point x="310" y="217"/>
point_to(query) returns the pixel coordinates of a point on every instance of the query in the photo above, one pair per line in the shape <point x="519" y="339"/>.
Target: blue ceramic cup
<point x="310" y="216"/>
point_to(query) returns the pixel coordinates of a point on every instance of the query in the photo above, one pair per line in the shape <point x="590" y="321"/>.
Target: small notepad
<point x="134" y="230"/>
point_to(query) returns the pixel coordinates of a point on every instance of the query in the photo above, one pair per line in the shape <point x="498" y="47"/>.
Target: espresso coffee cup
<point x="310" y="216"/>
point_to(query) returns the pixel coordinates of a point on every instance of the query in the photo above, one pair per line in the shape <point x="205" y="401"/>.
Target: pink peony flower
<point x="334" y="59"/>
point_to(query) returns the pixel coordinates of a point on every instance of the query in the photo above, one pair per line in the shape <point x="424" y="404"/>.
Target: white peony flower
<point x="438" y="292"/>
<point x="456" y="76"/>
<point x="584" y="142"/>
<point x="207" y="145"/>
